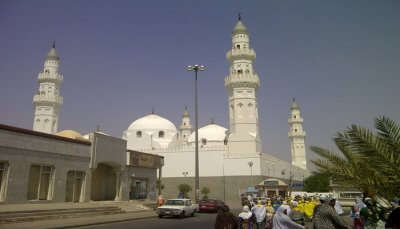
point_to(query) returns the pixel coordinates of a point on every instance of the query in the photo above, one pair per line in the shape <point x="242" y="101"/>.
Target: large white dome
<point x="152" y="122"/>
<point x="211" y="132"/>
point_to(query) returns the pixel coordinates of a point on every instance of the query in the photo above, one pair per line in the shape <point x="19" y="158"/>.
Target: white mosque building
<point x="230" y="159"/>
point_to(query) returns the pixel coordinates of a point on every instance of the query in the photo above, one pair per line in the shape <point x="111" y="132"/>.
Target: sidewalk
<point x="81" y="221"/>
<point x="127" y="206"/>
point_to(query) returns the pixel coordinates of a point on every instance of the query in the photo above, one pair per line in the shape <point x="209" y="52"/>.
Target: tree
<point x="205" y="191"/>
<point x="184" y="189"/>
<point x="317" y="183"/>
<point x="367" y="160"/>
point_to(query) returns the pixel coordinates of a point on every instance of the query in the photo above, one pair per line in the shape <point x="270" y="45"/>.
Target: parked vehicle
<point x="211" y="205"/>
<point x="177" y="207"/>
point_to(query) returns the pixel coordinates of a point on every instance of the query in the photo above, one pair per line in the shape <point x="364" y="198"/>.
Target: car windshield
<point x="174" y="202"/>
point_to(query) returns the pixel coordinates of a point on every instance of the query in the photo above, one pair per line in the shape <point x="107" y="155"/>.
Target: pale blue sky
<point x="340" y="59"/>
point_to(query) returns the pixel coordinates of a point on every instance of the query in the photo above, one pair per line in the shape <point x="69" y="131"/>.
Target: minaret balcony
<point x="297" y="134"/>
<point x="242" y="79"/>
<point x="238" y="54"/>
<point x="297" y="120"/>
<point x="43" y="99"/>
<point x="49" y="77"/>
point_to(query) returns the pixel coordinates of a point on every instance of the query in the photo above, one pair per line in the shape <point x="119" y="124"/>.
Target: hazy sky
<point x="340" y="59"/>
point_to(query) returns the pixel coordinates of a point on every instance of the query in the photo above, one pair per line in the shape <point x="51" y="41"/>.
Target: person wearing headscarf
<point x="281" y="219"/>
<point x="259" y="212"/>
<point x="325" y="216"/>
<point x="225" y="219"/>
<point x="245" y="218"/>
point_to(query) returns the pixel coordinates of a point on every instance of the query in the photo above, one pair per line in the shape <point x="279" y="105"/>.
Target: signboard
<point x="271" y="183"/>
<point x="138" y="159"/>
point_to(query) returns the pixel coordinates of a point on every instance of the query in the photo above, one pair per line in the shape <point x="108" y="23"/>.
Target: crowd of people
<point x="320" y="212"/>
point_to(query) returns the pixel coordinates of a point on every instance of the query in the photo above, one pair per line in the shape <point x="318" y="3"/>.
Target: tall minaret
<point x="186" y="127"/>
<point x="297" y="136"/>
<point x="47" y="101"/>
<point x="242" y="83"/>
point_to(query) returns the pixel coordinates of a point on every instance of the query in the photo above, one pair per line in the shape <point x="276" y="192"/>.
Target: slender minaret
<point x="242" y="84"/>
<point x="47" y="101"/>
<point x="186" y="127"/>
<point x="297" y="136"/>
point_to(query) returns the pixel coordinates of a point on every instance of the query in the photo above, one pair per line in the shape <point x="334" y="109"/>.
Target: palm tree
<point x="368" y="161"/>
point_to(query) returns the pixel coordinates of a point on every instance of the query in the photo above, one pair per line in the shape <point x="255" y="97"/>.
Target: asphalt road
<point x="199" y="221"/>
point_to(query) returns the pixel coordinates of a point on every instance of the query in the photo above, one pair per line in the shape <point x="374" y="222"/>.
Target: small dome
<point x="152" y="122"/>
<point x="294" y="105"/>
<point x="70" y="134"/>
<point x="52" y="55"/>
<point x="211" y="132"/>
<point x="239" y="28"/>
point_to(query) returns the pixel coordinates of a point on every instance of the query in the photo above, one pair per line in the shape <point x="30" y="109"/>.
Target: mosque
<point x="68" y="166"/>
<point x="230" y="159"/>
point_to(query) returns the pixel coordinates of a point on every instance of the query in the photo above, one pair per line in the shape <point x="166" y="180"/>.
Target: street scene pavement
<point x="199" y="221"/>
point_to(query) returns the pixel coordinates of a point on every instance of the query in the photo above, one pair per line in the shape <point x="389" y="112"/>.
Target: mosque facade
<point x="230" y="159"/>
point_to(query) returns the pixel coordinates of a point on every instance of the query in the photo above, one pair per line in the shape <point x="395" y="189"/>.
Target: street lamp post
<point x="195" y="69"/>
<point x="250" y="163"/>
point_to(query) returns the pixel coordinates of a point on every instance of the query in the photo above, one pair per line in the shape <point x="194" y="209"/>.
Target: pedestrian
<point x="259" y="212"/>
<point x="296" y="215"/>
<point x="244" y="218"/>
<point x="394" y="217"/>
<point x="325" y="216"/>
<point x="281" y="219"/>
<point x="225" y="219"/>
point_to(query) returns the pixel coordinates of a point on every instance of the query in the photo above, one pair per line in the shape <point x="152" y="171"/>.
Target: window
<point x="74" y="185"/>
<point x="47" y="71"/>
<point x="204" y="141"/>
<point x="40" y="182"/>
<point x="240" y="71"/>
<point x="294" y="116"/>
<point x="3" y="179"/>
<point x="139" y="134"/>
<point x="161" y="134"/>
<point x="250" y="104"/>
<point x="184" y="123"/>
<point x="295" y="130"/>
<point x="238" y="46"/>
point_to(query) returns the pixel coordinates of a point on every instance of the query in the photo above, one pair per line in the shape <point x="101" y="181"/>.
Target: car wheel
<point x="182" y="215"/>
<point x="160" y="216"/>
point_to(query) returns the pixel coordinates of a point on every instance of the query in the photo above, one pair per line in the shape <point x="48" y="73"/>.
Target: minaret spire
<point x="47" y="101"/>
<point x="242" y="83"/>
<point x="297" y="136"/>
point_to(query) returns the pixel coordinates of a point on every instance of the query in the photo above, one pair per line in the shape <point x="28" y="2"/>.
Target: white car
<point x="177" y="207"/>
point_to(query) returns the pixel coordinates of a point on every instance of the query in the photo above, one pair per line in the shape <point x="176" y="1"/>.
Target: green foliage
<point x="205" y="191"/>
<point x="367" y="160"/>
<point x="185" y="189"/>
<point x="317" y="183"/>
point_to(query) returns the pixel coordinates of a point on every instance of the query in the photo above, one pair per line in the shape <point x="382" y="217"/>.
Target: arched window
<point x="240" y="71"/>
<point x="161" y="134"/>
<point x="139" y="134"/>
<point x="204" y="141"/>
<point x="294" y="116"/>
<point x="238" y="46"/>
